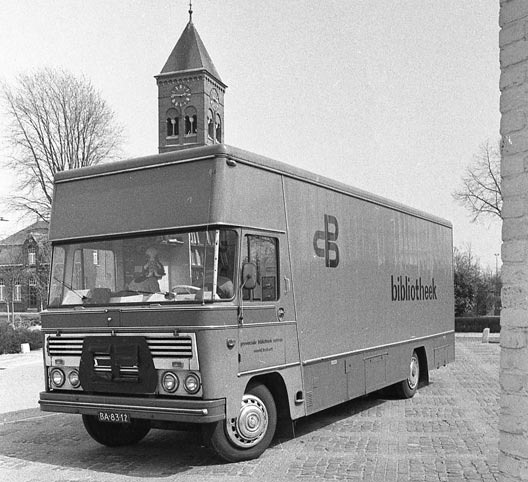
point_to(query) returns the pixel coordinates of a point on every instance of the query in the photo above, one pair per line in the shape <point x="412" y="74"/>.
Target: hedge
<point x="476" y="324"/>
<point x="22" y="319"/>
<point x="11" y="338"/>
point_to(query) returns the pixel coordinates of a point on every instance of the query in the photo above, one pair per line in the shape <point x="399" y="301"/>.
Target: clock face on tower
<point x="180" y="95"/>
<point x="215" y="100"/>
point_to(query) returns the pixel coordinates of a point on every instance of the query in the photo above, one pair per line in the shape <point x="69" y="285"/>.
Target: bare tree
<point x="57" y="122"/>
<point x="481" y="190"/>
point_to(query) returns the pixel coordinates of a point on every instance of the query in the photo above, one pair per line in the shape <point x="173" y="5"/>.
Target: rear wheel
<point x="250" y="433"/>
<point x="116" y="435"/>
<point x="408" y="387"/>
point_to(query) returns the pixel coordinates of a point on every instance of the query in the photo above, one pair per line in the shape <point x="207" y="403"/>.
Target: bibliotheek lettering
<point x="404" y="288"/>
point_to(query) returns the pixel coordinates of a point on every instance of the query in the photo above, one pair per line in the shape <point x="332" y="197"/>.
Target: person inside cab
<point x="152" y="272"/>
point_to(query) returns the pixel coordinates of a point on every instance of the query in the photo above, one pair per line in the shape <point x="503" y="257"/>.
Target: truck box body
<point x="361" y="282"/>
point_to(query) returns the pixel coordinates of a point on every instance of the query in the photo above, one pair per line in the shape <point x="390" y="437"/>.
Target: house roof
<point x="190" y="54"/>
<point x="10" y="256"/>
<point x="37" y="230"/>
<point x="11" y="248"/>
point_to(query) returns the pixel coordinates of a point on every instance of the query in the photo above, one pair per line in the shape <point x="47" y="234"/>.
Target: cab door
<point x="267" y="321"/>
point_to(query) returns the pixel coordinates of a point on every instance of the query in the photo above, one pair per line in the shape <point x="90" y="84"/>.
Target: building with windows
<point x="24" y="269"/>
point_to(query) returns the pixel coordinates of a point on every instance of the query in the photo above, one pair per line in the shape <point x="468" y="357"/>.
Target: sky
<point x="391" y="97"/>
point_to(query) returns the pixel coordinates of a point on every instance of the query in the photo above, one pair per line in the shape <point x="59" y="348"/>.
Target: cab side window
<point x="262" y="251"/>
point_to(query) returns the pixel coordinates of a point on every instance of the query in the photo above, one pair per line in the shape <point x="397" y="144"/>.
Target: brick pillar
<point x="513" y="422"/>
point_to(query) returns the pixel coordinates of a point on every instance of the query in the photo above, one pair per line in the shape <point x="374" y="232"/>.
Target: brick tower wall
<point x="513" y="422"/>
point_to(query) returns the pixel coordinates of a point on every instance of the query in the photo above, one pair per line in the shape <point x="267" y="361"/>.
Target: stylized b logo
<point x="329" y="238"/>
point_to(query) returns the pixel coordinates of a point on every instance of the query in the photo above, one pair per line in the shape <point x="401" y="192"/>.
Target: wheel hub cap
<point x="413" y="373"/>
<point x="251" y="424"/>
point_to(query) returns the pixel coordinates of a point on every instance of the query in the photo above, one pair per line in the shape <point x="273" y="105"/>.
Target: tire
<point x="407" y="388"/>
<point x="247" y="436"/>
<point x="116" y="435"/>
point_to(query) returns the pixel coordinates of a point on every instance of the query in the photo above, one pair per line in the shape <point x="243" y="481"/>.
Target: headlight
<point x="192" y="383"/>
<point x="170" y="382"/>
<point x="57" y="377"/>
<point x="73" y="378"/>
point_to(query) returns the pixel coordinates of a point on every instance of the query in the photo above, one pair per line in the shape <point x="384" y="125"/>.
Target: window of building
<point x="191" y="121"/>
<point x="32" y="293"/>
<point x="210" y="125"/>
<point x="262" y="251"/>
<point x="173" y="123"/>
<point x="32" y="256"/>
<point x="18" y="291"/>
<point x="218" y="128"/>
<point x="2" y="291"/>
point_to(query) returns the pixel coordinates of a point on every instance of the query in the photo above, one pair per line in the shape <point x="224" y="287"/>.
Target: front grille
<point x="103" y="368"/>
<point x="65" y="345"/>
<point x="160" y="346"/>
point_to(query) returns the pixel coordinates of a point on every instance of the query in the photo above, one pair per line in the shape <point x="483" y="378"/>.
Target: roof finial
<point x="190" y="11"/>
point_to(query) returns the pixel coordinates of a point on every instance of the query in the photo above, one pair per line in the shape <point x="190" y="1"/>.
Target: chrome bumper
<point x="191" y="411"/>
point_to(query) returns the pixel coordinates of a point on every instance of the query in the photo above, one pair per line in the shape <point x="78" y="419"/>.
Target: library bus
<point x="215" y="287"/>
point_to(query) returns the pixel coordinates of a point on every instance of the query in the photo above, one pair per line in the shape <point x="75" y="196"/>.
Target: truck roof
<point x="239" y="156"/>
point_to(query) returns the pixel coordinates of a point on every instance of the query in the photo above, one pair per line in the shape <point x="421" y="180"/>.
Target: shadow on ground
<point x="61" y="441"/>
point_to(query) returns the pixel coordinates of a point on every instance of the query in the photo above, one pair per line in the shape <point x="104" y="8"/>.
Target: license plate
<point x="113" y="417"/>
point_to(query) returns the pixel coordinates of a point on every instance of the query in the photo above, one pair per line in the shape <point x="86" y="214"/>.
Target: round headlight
<point x="73" y="378"/>
<point x="170" y="382"/>
<point x="57" y="377"/>
<point x="192" y="383"/>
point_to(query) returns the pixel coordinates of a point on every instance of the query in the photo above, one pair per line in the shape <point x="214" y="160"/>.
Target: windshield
<point x="179" y="267"/>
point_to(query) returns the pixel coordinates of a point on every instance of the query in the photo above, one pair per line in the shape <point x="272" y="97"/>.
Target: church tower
<point x="190" y="96"/>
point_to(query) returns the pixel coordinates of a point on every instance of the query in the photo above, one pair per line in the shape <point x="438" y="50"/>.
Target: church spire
<point x="190" y="53"/>
<point x="190" y="11"/>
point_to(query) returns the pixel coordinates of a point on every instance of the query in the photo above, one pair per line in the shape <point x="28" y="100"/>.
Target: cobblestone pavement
<point x="447" y="432"/>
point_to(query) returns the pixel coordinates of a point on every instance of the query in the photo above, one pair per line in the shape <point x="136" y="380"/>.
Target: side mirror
<point x="249" y="276"/>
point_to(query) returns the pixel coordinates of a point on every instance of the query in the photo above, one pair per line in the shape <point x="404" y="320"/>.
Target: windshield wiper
<point x="81" y="297"/>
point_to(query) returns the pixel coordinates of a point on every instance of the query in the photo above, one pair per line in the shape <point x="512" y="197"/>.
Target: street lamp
<point x="3" y="219"/>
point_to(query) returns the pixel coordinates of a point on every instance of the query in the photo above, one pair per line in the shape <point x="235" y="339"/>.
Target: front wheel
<point x="116" y="435"/>
<point x="408" y="387"/>
<point x="250" y="433"/>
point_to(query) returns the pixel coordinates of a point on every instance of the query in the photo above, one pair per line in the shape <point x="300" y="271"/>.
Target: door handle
<point x="287" y="285"/>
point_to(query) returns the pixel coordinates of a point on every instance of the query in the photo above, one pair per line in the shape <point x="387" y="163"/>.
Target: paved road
<point x="447" y="432"/>
<point x="21" y="380"/>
